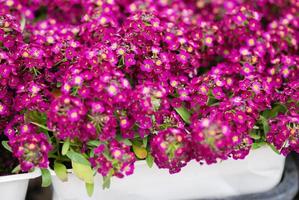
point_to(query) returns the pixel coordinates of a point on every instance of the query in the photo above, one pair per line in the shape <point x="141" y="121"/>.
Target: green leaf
<point x="16" y="170"/>
<point x="265" y="124"/>
<point x="83" y="172"/>
<point x="108" y="156"/>
<point x="254" y="135"/>
<point x="6" y="146"/>
<point x="212" y="101"/>
<point x="91" y="154"/>
<point x="23" y="23"/>
<point x="46" y="178"/>
<point x="274" y="148"/>
<point x="137" y="141"/>
<point x="42" y="126"/>
<point x="65" y="147"/>
<point x="94" y="143"/>
<point x="127" y="142"/>
<point x="36" y="116"/>
<point x="58" y="84"/>
<point x="77" y="157"/>
<point x="60" y="171"/>
<point x="106" y="182"/>
<point x="257" y="145"/>
<point x="278" y="108"/>
<point x="89" y="188"/>
<point x="184" y="113"/>
<point x="144" y="142"/>
<point x="150" y="160"/>
<point x="40" y="14"/>
<point x="140" y="152"/>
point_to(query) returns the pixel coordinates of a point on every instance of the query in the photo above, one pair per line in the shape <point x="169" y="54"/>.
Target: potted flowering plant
<point x="10" y="175"/>
<point x="103" y="88"/>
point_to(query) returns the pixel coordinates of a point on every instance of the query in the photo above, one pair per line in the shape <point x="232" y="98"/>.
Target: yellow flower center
<point x="31" y="146"/>
<point x="183" y="57"/>
<point x="103" y="20"/>
<point x="67" y="87"/>
<point x="25" y="128"/>
<point x="78" y="80"/>
<point x="117" y="153"/>
<point x="121" y="52"/>
<point x="50" y="40"/>
<point x="173" y="83"/>
<point x="123" y="122"/>
<point x="25" y="54"/>
<point x="112" y="89"/>
<point x="285" y="72"/>
<point x="9" y="3"/>
<point x="34" y="89"/>
<point x="256" y="87"/>
<point x="251" y="42"/>
<point x="247" y="70"/>
<point x="203" y="89"/>
<point x="158" y="62"/>
<point x="235" y="138"/>
<point x="74" y="115"/>
<point x="208" y="40"/>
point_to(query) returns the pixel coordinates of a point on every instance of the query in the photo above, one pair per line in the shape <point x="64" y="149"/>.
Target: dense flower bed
<point x="101" y="84"/>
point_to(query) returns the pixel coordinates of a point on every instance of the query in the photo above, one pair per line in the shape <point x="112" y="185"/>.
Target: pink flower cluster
<point x="114" y="160"/>
<point x="180" y="80"/>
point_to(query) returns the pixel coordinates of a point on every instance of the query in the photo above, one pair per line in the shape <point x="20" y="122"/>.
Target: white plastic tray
<point x="258" y="172"/>
<point x="14" y="187"/>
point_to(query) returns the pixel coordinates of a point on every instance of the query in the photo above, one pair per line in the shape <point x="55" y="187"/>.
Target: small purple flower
<point x="147" y="65"/>
<point x="130" y="60"/>
<point x="170" y="149"/>
<point x="244" y="51"/>
<point x="119" y="159"/>
<point x="240" y="117"/>
<point x="184" y="94"/>
<point x="208" y="41"/>
<point x="112" y="90"/>
<point x="97" y="107"/>
<point x="251" y="42"/>
<point x="183" y="57"/>
<point x="3" y="109"/>
<point x="31" y="149"/>
<point x="256" y="87"/>
<point x="73" y="115"/>
<point x="78" y="80"/>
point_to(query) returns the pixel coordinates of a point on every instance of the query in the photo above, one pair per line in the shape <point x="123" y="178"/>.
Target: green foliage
<point x="89" y="188"/>
<point x="184" y="113"/>
<point x="77" y="157"/>
<point x="6" y="146"/>
<point x="65" y="147"/>
<point x="83" y="172"/>
<point x="277" y="108"/>
<point x="46" y="178"/>
<point x="150" y="160"/>
<point x="61" y="171"/>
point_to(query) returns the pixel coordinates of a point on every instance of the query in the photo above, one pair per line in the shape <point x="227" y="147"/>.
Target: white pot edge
<point x="143" y="162"/>
<point x="16" y="177"/>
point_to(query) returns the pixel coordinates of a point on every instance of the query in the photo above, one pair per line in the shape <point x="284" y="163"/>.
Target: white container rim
<point x="137" y="163"/>
<point x="143" y="162"/>
<point x="16" y="177"/>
